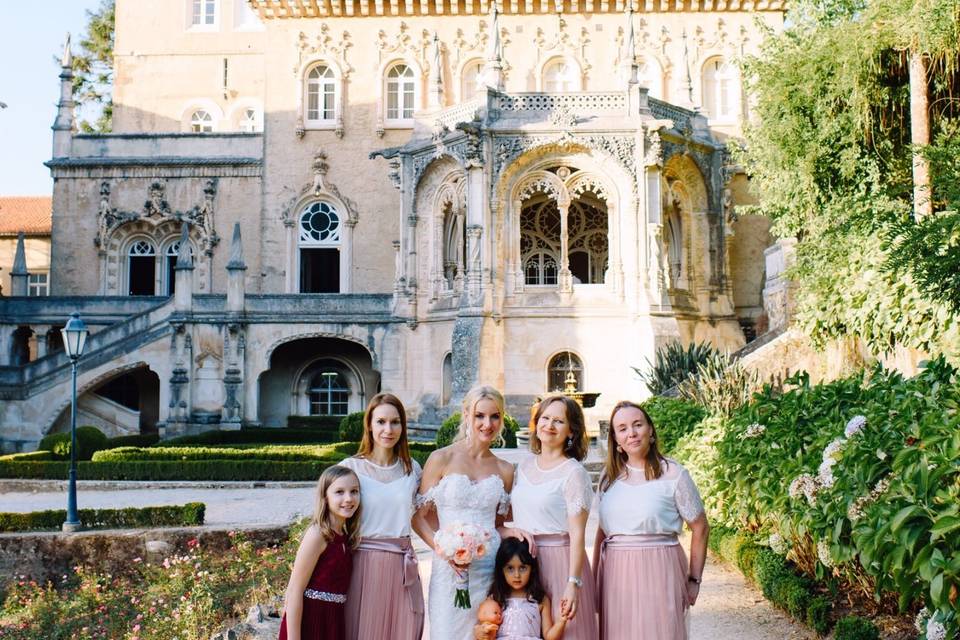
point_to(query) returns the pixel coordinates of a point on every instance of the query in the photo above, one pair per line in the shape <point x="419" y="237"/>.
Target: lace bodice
<point x="633" y="505"/>
<point x="521" y="620"/>
<point x="458" y="499"/>
<point x="387" y="495"/>
<point x="543" y="500"/>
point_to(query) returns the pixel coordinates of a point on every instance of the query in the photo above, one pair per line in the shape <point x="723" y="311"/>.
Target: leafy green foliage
<point x="720" y="385"/>
<point x="36" y="456"/>
<point x="200" y="470"/>
<point x="89" y="441"/>
<point x="448" y="431"/>
<point x="259" y="435"/>
<point x="292" y="453"/>
<point x="856" y="628"/>
<point x="351" y="427"/>
<point x="187" y="515"/>
<point x="673" y="364"/>
<point x="929" y="250"/>
<point x="673" y="419"/>
<point x="93" y="68"/>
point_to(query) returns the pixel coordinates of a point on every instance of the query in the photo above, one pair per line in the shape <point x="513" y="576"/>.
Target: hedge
<point x="257" y="435"/>
<point x="137" y="440"/>
<point x="673" y="418"/>
<point x="854" y="628"/>
<point x="185" y="515"/>
<point x="35" y="456"/>
<point x="327" y="427"/>
<point x="288" y="453"/>
<point x="89" y="441"/>
<point x="351" y="427"/>
<point x="200" y="470"/>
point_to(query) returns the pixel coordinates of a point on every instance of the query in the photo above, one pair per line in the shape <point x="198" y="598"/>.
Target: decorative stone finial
<point x="19" y="278"/>
<point x="320" y="167"/>
<point x="66" y="60"/>
<point x="236" y="251"/>
<point x="184" y="254"/>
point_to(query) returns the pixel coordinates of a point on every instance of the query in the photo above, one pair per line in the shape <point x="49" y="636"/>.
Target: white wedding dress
<point x="458" y="499"/>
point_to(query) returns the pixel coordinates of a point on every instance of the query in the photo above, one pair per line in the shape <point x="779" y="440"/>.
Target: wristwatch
<point x="575" y="580"/>
<point x="694" y="580"/>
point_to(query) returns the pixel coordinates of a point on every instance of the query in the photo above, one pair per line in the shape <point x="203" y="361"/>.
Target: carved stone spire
<point x="630" y="49"/>
<point x="184" y="254"/>
<point x="493" y="70"/>
<point x="236" y="294"/>
<point x="686" y="85"/>
<point x="236" y="251"/>
<point x="63" y="125"/>
<point x="19" y="277"/>
<point x="436" y="74"/>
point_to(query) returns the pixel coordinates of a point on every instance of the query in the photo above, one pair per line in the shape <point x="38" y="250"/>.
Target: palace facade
<point x="306" y="201"/>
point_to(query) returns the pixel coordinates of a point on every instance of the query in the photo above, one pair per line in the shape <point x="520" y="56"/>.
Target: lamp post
<point x="74" y="339"/>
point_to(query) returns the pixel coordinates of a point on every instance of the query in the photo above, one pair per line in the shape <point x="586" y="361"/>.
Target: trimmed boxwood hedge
<point x="138" y="440"/>
<point x="856" y="628"/>
<point x="289" y="453"/>
<point x="198" y="470"/>
<point x="257" y="435"/>
<point x="184" y="515"/>
<point x="351" y="427"/>
<point x="89" y="441"/>
<point x="36" y="456"/>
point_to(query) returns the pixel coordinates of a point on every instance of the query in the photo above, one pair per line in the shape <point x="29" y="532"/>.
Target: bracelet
<point x="694" y="580"/>
<point x="575" y="580"/>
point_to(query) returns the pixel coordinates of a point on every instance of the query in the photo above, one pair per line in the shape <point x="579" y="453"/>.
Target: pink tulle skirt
<point x="385" y="600"/>
<point x="643" y="590"/>
<point x="553" y="556"/>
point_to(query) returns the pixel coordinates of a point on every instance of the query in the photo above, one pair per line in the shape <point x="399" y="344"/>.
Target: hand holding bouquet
<point x="461" y="544"/>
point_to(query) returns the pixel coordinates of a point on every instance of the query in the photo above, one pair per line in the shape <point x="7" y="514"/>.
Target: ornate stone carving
<point x="469" y="150"/>
<point x="395" y="172"/>
<point x="563" y="117"/>
<point x="653" y="156"/>
<point x="508" y="148"/>
<point x="646" y="46"/>
<point x="108" y="217"/>
<point x="462" y="46"/>
<point x="563" y="44"/>
<point x="405" y="44"/>
<point x="316" y="188"/>
<point x="156" y="204"/>
<point x="322" y="44"/>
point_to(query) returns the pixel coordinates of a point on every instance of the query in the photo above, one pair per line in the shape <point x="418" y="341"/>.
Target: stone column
<point x="236" y="267"/>
<point x="183" y="273"/>
<point x="565" y="277"/>
<point x="178" y="409"/>
<point x="476" y="212"/>
<point x="346" y="257"/>
<point x="40" y="332"/>
<point x="234" y="344"/>
<point x="474" y="264"/>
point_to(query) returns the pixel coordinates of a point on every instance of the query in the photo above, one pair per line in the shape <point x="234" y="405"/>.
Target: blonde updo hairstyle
<point x="475" y="395"/>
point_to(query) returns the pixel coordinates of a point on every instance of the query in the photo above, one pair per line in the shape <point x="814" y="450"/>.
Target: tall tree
<point x="93" y="69"/>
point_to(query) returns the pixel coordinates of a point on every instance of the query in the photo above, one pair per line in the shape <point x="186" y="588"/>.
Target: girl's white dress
<point x="521" y="620"/>
<point x="458" y="499"/>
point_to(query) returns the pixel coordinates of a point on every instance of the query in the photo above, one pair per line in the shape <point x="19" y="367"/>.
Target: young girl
<point x="519" y="592"/>
<point x="318" y="583"/>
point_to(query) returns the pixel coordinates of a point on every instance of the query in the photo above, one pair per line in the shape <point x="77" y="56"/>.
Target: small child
<point x="320" y="578"/>
<point x="517" y="589"/>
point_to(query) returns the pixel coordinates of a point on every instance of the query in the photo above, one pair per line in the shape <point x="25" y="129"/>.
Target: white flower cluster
<point x="855" y="426"/>
<point x="856" y="508"/>
<point x="777" y="544"/>
<point x="920" y="623"/>
<point x="753" y="431"/>
<point x="806" y="485"/>
<point x="823" y="553"/>
<point x="936" y="630"/>
<point x="830" y="456"/>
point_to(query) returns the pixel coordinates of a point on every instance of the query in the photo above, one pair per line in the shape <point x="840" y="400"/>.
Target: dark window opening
<point x="171" y="274"/>
<point x="580" y="267"/>
<point x="319" y="270"/>
<point x="142" y="275"/>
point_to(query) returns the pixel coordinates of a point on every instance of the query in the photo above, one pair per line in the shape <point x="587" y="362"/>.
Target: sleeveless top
<point x="333" y="569"/>
<point x="521" y="620"/>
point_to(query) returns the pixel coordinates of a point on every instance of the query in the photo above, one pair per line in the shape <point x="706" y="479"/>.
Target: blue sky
<point x="31" y="34"/>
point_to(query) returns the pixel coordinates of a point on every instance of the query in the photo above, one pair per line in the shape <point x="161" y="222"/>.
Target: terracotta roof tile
<point x="30" y="214"/>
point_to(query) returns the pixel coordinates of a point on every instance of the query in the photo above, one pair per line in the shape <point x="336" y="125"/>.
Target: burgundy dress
<point x="325" y="595"/>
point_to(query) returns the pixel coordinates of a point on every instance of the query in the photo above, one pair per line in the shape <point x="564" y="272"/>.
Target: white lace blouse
<point x="633" y="505"/>
<point x="387" y="497"/>
<point x="543" y="500"/>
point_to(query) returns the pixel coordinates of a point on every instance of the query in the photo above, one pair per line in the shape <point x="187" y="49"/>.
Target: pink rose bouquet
<point x="461" y="544"/>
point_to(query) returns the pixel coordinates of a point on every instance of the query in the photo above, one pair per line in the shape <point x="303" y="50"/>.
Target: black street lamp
<point x="74" y="339"/>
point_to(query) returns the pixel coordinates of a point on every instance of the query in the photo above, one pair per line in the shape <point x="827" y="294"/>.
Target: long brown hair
<point x="616" y="461"/>
<point x="402" y="448"/>
<point x="321" y="511"/>
<point x="577" y="449"/>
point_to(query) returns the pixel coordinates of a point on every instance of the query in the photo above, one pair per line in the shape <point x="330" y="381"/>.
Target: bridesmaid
<point x="645" y="584"/>
<point x="385" y="600"/>
<point x="551" y="499"/>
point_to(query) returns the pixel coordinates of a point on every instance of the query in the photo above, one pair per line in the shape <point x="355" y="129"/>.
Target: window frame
<point x="128" y="254"/>
<point x="571" y="64"/>
<point x="334" y="81"/>
<point x="579" y="369"/>
<point x="724" y="78"/>
<point x="331" y="374"/>
<point x="35" y="286"/>
<point x="469" y="64"/>
<point x="400" y="122"/>
<point x="203" y="6"/>
<point x="193" y="122"/>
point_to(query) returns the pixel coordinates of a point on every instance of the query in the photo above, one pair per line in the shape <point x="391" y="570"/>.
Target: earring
<point x="569" y="442"/>
<point x="619" y="449"/>
<point x="652" y="439"/>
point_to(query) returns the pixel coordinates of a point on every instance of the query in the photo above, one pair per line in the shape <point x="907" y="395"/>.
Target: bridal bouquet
<point x="461" y="544"/>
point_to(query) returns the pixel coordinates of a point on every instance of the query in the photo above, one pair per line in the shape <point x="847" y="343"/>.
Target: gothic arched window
<point x="321" y="94"/>
<point x="720" y="89"/>
<point x="141" y="269"/>
<point x="201" y="122"/>
<point x="561" y="75"/>
<point x="651" y="77"/>
<point x="319" y="240"/>
<point x="675" y="249"/>
<point x="401" y="92"/>
<point x="328" y="393"/>
<point x="540" y="240"/>
<point x="249" y="122"/>
<point x="560" y="367"/>
<point x="170" y="259"/>
<point x="472" y="79"/>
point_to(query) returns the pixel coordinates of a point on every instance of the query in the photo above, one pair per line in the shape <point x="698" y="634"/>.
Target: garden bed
<point x="186" y="515"/>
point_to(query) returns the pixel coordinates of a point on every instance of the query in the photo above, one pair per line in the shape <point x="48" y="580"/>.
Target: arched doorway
<point x="126" y="404"/>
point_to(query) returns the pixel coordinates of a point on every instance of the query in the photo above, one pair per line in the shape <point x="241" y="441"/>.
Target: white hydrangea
<point x="753" y="431"/>
<point x="823" y="553"/>
<point x="936" y="630"/>
<point x="825" y="474"/>
<point x="855" y="510"/>
<point x="920" y="623"/>
<point x="881" y="454"/>
<point x="855" y="426"/>
<point x="805" y="485"/>
<point x="832" y="452"/>
<point x="881" y="487"/>
<point x="777" y="545"/>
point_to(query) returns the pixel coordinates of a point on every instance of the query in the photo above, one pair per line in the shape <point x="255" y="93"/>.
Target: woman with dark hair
<point x="646" y="584"/>
<point x="385" y="600"/>
<point x="551" y="499"/>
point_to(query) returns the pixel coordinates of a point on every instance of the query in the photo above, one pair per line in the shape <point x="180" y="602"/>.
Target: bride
<point x="465" y="483"/>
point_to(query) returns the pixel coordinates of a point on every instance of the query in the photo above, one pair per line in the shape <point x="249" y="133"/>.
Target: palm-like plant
<point x="673" y="364"/>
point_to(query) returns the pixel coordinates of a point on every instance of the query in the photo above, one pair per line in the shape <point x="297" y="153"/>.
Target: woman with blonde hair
<point x="645" y="582"/>
<point x="552" y="500"/>
<point x="385" y="600"/>
<point x="464" y="483"/>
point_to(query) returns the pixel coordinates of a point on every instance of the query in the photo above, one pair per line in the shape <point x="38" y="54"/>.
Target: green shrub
<point x="673" y="419"/>
<point x="855" y="628"/>
<point x="289" y="453"/>
<point x="36" y="456"/>
<point x="256" y="435"/>
<point x="448" y="431"/>
<point x="190" y="514"/>
<point x="673" y="364"/>
<point x="329" y="426"/>
<point x="720" y="385"/>
<point x="420" y="451"/>
<point x="351" y="427"/>
<point x="89" y="441"/>
<point x="818" y="614"/>
<point x="198" y="470"/>
<point x="136" y="440"/>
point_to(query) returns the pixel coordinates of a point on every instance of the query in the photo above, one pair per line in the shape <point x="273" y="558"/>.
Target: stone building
<point x="307" y="201"/>
<point x="30" y="216"/>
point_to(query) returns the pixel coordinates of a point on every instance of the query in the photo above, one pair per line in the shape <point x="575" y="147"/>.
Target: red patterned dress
<point x="325" y="595"/>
